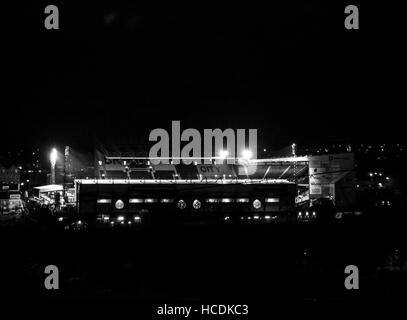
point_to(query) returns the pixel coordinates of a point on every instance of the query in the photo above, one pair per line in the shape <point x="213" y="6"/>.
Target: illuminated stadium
<point x="132" y="189"/>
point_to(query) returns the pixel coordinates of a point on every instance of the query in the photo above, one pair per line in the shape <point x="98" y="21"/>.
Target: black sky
<point x="113" y="72"/>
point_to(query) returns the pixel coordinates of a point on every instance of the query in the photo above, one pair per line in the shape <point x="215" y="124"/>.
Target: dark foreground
<point x="220" y="264"/>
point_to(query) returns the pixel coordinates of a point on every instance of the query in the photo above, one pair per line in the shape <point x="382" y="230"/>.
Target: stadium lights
<point x="247" y="154"/>
<point x="53" y="159"/>
<point x="294" y="149"/>
<point x="223" y="154"/>
<point x="53" y="156"/>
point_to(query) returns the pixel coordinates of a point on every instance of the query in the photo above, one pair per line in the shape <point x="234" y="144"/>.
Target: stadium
<point x="131" y="190"/>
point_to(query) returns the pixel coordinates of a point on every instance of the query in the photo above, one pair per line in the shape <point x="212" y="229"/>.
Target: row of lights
<point x="372" y="174"/>
<point x="256" y="217"/>
<point x="223" y="154"/>
<point x="306" y="215"/>
<point x="120" y="220"/>
<point x="196" y="204"/>
<point x="246" y="154"/>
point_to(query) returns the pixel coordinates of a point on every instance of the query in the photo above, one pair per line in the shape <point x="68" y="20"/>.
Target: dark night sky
<point x="114" y="72"/>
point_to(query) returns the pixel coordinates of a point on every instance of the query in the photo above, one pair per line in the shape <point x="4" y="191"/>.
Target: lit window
<point x="272" y="200"/>
<point x="165" y="200"/>
<point x="104" y="201"/>
<point x="134" y="200"/>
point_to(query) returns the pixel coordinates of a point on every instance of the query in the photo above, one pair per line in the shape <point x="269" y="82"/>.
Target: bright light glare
<point x="247" y="154"/>
<point x="53" y="156"/>
<point x="223" y="154"/>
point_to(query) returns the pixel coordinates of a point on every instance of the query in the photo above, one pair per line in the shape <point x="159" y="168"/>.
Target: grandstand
<point x="131" y="185"/>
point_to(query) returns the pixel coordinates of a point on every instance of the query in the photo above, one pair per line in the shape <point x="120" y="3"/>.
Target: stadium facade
<point x="132" y="188"/>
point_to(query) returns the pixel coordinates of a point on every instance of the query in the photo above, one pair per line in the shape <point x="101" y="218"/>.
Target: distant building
<point x="332" y="176"/>
<point x="9" y="178"/>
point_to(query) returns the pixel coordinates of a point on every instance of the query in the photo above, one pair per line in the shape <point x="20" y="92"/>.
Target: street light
<point x="53" y="159"/>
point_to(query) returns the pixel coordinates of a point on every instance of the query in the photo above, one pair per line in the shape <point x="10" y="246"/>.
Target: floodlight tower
<point x="53" y="159"/>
